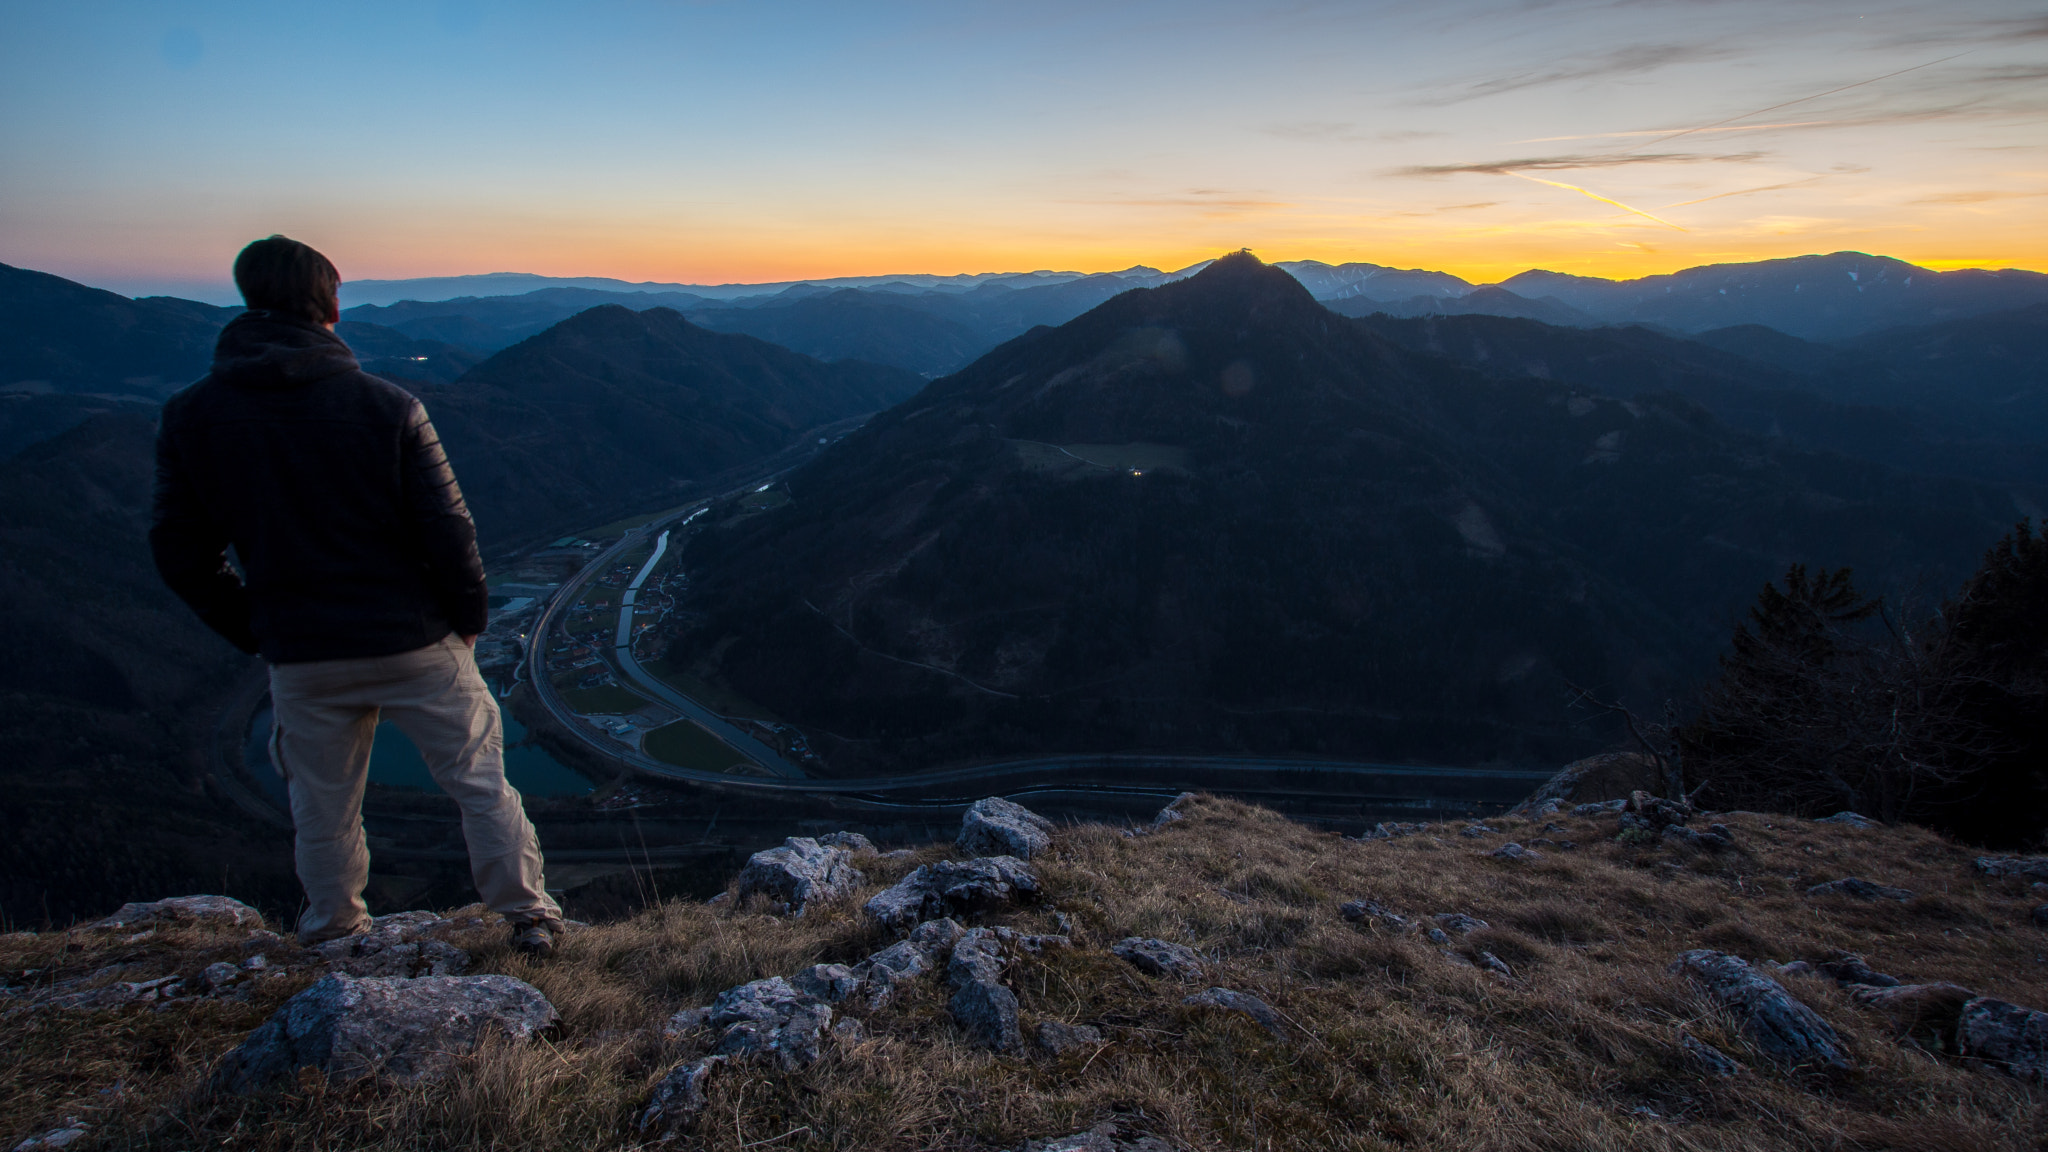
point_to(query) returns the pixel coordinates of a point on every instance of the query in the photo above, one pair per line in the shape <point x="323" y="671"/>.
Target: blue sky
<point x="141" y="144"/>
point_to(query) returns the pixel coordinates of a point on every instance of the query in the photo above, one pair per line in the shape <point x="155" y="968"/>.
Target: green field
<point x="762" y="501"/>
<point x="617" y="527"/>
<point x="721" y="700"/>
<point x="685" y="745"/>
<point x="609" y="699"/>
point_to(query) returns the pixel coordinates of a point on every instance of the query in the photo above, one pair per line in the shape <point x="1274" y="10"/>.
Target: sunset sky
<point x="142" y="143"/>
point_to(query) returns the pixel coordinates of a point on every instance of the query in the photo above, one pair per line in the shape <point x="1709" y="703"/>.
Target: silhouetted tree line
<point x="1829" y="699"/>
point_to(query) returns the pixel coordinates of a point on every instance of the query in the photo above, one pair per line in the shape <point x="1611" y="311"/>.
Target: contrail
<point x="1599" y="197"/>
<point x="1746" y="191"/>
<point x="1790" y="103"/>
<point x="1682" y="131"/>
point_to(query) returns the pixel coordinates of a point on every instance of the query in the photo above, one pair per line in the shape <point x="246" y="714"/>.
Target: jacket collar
<point x="263" y="349"/>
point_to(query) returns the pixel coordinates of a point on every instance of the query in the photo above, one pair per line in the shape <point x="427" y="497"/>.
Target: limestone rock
<point x="1654" y="813"/>
<point x="794" y="1038"/>
<point x="1708" y="841"/>
<point x="1371" y="912"/>
<point x="1394" y="831"/>
<point x="830" y="983"/>
<point x="2030" y="867"/>
<point x="997" y="827"/>
<point x="1859" y="889"/>
<point x="1514" y="851"/>
<point x="981" y="1005"/>
<point x="1848" y="968"/>
<point x="852" y="842"/>
<point x="1605" y="777"/>
<point x="1226" y="1000"/>
<point x="1033" y="943"/>
<point x="1159" y="957"/>
<point x="888" y="970"/>
<point x="1917" y="1009"/>
<point x="1707" y="1059"/>
<point x="2009" y="1037"/>
<point x="1056" y="1037"/>
<point x="1787" y="1031"/>
<point x="1474" y="831"/>
<point x="219" y="976"/>
<point x="409" y="1030"/>
<point x="1493" y="964"/>
<point x="679" y="1099"/>
<point x="222" y="911"/>
<point x="1600" y="808"/>
<point x="952" y="888"/>
<point x="1459" y="923"/>
<point x="1851" y="819"/>
<point x="685" y="1022"/>
<point x="55" y="1138"/>
<point x="799" y="872"/>
<point x="1172" y="811"/>
<point x="394" y="946"/>
<point x="770" y="1018"/>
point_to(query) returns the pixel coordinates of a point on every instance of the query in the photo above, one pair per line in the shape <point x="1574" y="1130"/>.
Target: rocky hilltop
<point x="1624" y="973"/>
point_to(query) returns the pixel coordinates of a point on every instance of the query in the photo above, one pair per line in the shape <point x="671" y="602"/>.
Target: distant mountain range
<point x="935" y="325"/>
<point x="1215" y="517"/>
<point x="1396" y="534"/>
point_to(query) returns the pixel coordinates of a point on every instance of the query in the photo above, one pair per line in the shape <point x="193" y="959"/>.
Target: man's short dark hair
<point x="282" y="275"/>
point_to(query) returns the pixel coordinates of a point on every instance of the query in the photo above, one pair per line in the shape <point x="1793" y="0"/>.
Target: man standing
<point x="360" y="584"/>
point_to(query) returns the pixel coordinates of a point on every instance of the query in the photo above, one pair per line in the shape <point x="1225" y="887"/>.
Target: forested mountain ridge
<point x="613" y="410"/>
<point x="1214" y="516"/>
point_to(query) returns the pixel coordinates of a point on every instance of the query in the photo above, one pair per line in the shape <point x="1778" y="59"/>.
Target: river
<point x="395" y="763"/>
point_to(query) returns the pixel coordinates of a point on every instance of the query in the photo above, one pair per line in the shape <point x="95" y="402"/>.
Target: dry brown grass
<point x="1393" y="1046"/>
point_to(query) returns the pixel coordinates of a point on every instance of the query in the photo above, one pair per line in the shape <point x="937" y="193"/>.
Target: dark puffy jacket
<point x="332" y="488"/>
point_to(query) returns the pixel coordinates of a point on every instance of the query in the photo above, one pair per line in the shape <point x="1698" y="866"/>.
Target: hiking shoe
<point x="536" y="938"/>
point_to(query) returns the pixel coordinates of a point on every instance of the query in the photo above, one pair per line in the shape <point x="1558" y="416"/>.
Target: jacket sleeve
<point x="446" y="534"/>
<point x="191" y="549"/>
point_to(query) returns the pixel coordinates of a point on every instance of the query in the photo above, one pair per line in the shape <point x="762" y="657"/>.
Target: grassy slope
<point x="1393" y="1046"/>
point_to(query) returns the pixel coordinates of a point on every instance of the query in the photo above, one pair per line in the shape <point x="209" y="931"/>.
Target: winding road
<point x="1357" y="781"/>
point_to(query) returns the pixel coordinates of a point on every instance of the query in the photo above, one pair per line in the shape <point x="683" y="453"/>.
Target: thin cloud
<point x="1566" y="163"/>
<point x="1751" y="191"/>
<point x="1627" y="60"/>
<point x="1673" y="131"/>
<point x="1975" y="197"/>
<point x="1310" y="130"/>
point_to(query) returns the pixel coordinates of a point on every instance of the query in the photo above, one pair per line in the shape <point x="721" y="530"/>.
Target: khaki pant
<point x="326" y="714"/>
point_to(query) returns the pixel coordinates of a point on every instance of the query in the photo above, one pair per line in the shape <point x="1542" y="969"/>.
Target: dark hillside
<point x="1826" y="297"/>
<point x="1760" y="380"/>
<point x="613" y="410"/>
<point x="854" y="325"/>
<point x="109" y="689"/>
<point x="1215" y="517"/>
<point x="72" y="338"/>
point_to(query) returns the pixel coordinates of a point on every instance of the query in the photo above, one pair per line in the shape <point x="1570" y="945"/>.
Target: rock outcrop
<point x="2029" y="867"/>
<point x="1159" y="957"/>
<point x="1605" y="777"/>
<point x="997" y="827"/>
<point x="953" y="888"/>
<point x="981" y="1005"/>
<point x="220" y="911"/>
<point x="2008" y="1037"/>
<point x="408" y="1030"/>
<point x="395" y="945"/>
<point x="799" y="872"/>
<point x="1785" y="1030"/>
<point x="770" y="1018"/>
<point x="1227" y="1000"/>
